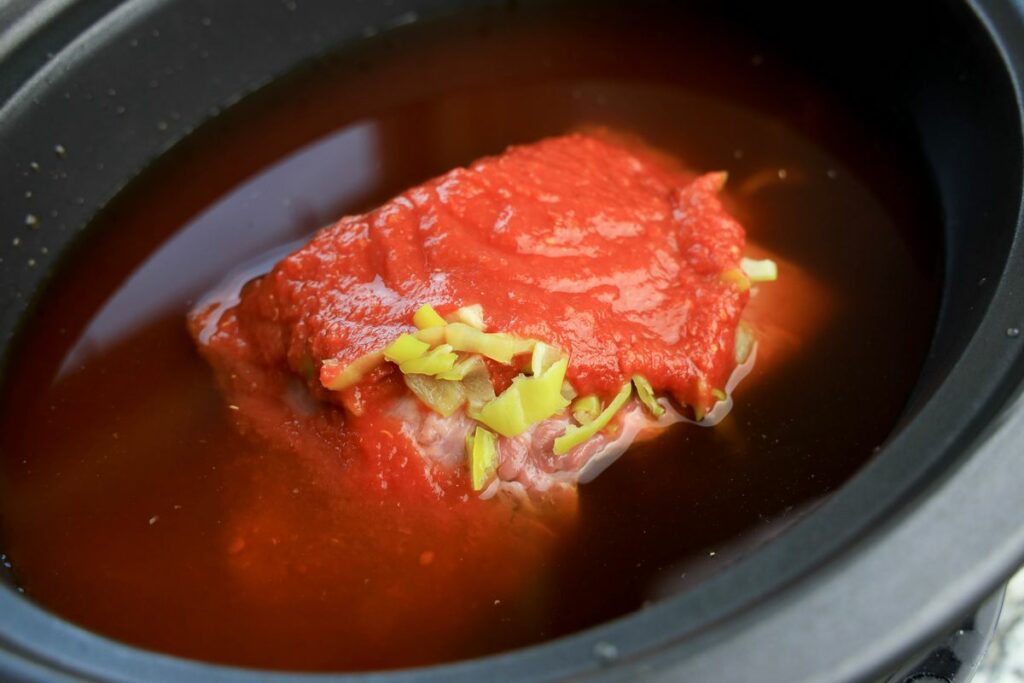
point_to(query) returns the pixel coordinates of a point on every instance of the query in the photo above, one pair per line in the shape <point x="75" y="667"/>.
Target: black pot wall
<point x="925" y="530"/>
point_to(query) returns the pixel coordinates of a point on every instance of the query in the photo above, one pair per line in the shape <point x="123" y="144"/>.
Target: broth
<point x="121" y="469"/>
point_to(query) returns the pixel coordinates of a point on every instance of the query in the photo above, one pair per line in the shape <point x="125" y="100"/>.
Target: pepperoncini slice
<point x="439" y="359"/>
<point x="462" y="368"/>
<point x="568" y="391"/>
<point x="440" y="396"/>
<point x="505" y="413"/>
<point x="482" y="450"/>
<point x="469" y="315"/>
<point x="737" y="277"/>
<point x="744" y="343"/>
<point x="544" y="356"/>
<point x="497" y="346"/>
<point x="337" y="380"/>
<point x="586" y="408"/>
<point x="764" y="270"/>
<point x="542" y="394"/>
<point x="406" y="347"/>
<point x="576" y="435"/>
<point x="645" y="392"/>
<point x="426" y="317"/>
<point x="477" y="384"/>
<point x="529" y="400"/>
<point x="431" y="335"/>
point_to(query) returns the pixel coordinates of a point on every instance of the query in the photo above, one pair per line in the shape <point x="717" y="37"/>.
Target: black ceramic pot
<point x="897" y="556"/>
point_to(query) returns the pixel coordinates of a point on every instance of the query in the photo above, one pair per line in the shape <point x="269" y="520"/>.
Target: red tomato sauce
<point x="606" y="253"/>
<point x="602" y="251"/>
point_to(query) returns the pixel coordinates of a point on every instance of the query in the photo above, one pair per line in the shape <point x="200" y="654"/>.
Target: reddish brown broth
<point x="123" y="483"/>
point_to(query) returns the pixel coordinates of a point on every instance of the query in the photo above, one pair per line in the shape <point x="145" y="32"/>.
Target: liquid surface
<point x="123" y="482"/>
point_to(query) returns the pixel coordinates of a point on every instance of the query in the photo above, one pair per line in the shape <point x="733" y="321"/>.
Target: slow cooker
<point x="866" y="581"/>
